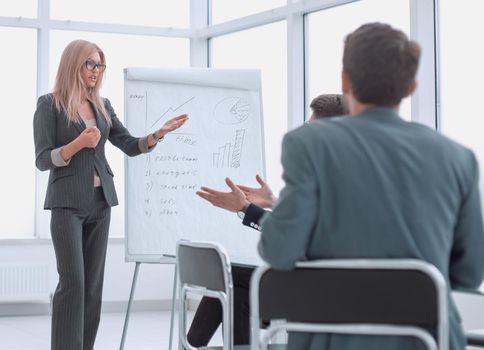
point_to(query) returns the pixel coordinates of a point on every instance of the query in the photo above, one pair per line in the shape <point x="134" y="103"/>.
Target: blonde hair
<point x="69" y="89"/>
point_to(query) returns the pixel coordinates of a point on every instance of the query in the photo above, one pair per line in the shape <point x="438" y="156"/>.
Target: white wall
<point x="153" y="289"/>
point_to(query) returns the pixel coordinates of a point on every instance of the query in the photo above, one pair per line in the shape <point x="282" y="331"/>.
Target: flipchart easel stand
<point x="166" y="260"/>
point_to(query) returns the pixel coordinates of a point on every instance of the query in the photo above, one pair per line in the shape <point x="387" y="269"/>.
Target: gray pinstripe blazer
<point x="72" y="186"/>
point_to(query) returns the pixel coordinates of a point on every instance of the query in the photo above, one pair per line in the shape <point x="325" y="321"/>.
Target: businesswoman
<point x="71" y="127"/>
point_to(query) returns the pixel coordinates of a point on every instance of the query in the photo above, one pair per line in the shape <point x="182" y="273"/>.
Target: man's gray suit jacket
<point x="376" y="186"/>
<point x="72" y="186"/>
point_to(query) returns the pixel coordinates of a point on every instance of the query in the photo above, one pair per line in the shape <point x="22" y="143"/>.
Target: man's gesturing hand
<point x="233" y="200"/>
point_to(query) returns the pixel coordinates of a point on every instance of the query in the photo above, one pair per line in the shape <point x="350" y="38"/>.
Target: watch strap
<point x="156" y="138"/>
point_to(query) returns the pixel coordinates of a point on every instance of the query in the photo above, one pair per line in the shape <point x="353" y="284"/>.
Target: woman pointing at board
<point x="71" y="127"/>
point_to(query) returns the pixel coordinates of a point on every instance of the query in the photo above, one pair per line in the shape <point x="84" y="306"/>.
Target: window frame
<point x="423" y="27"/>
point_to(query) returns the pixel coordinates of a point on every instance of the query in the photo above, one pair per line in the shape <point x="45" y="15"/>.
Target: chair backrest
<point x="204" y="269"/>
<point x="401" y="293"/>
<point x="203" y="264"/>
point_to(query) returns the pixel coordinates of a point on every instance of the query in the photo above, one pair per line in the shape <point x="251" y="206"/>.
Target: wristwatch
<point x="156" y="138"/>
<point x="241" y="212"/>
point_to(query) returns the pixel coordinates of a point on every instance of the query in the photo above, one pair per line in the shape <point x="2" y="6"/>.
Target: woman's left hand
<point x="172" y="124"/>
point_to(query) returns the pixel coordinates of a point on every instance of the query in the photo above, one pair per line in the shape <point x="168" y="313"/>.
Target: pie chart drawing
<point x="231" y="110"/>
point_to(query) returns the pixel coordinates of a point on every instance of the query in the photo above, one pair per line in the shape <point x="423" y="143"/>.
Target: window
<point x="461" y="57"/>
<point x="122" y="51"/>
<point x="223" y="10"/>
<point x="18" y="68"/>
<point x="263" y="47"/>
<point x="249" y="49"/>
<point x="161" y="13"/>
<point x="18" y="8"/>
<point x="326" y="31"/>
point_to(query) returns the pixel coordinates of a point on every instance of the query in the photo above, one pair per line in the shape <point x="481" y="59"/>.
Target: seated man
<point x="209" y="313"/>
<point x="372" y="185"/>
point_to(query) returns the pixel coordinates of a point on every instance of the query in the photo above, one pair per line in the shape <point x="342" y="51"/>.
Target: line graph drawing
<point x="169" y="109"/>
<point x="230" y="154"/>
<point x="231" y="110"/>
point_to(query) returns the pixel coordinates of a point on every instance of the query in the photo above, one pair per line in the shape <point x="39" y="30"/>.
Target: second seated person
<point x="209" y="313"/>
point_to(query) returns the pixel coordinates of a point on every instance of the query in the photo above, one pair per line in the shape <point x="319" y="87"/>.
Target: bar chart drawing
<point x="230" y="154"/>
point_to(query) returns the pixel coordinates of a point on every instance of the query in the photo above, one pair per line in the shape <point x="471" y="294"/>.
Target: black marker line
<point x="172" y="110"/>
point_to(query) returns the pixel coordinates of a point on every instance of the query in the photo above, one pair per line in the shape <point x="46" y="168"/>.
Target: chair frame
<point x="357" y="329"/>
<point x="224" y="296"/>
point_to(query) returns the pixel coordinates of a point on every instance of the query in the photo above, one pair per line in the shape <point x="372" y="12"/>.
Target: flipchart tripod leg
<point x="128" y="311"/>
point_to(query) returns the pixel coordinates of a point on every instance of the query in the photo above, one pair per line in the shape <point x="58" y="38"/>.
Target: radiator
<point x="24" y="282"/>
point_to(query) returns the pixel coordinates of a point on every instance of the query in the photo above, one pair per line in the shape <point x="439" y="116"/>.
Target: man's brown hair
<point x="381" y="63"/>
<point x="328" y="105"/>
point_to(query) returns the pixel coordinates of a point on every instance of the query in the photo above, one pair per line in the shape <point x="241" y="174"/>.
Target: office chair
<point x="475" y="339"/>
<point x="204" y="269"/>
<point x="370" y="297"/>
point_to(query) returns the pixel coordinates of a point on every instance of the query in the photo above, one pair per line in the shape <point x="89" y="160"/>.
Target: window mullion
<point x="425" y="101"/>
<point x="295" y="69"/>
<point x="41" y="217"/>
<point x="199" y="18"/>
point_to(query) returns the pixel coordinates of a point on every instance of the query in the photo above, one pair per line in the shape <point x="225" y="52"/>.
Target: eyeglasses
<point x="91" y="65"/>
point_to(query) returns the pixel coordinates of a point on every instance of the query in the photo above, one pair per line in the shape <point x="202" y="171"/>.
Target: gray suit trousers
<point x="80" y="239"/>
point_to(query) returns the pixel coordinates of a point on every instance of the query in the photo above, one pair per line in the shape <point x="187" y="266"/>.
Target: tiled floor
<point x="147" y="331"/>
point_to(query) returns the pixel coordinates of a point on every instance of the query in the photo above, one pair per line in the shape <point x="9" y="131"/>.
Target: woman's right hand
<point x="89" y="138"/>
